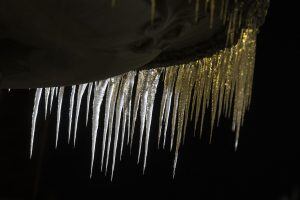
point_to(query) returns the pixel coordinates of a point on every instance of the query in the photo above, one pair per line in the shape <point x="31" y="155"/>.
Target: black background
<point x="265" y="165"/>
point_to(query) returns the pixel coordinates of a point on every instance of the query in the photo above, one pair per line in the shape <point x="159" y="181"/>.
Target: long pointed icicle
<point x="143" y="110"/>
<point x="173" y="73"/>
<point x="182" y="88"/>
<point x="163" y="104"/>
<point x="71" y="110"/>
<point x="155" y="75"/>
<point x="189" y="88"/>
<point x="37" y="98"/>
<point x="99" y="91"/>
<point x="119" y="108"/>
<point x="109" y="94"/>
<point x="114" y="90"/>
<point x="128" y="105"/>
<point x="138" y="92"/>
<point x="176" y="102"/>
<point x="59" y="103"/>
<point x="127" y="90"/>
<point x="47" y="92"/>
<point x="80" y="92"/>
<point x="88" y="99"/>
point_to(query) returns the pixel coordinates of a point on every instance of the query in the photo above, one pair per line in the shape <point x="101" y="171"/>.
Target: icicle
<point x="119" y="108"/>
<point x="189" y="87"/>
<point x="222" y="82"/>
<point x="99" y="91"/>
<point x="199" y="90"/>
<point x="143" y="110"/>
<point x="128" y="87"/>
<point x="59" y="103"/>
<point x="176" y="102"/>
<point x="88" y="102"/>
<point x="71" y="111"/>
<point x="215" y="91"/>
<point x="138" y="92"/>
<point x="109" y="95"/>
<point x="47" y="92"/>
<point x="181" y="94"/>
<point x="163" y="104"/>
<point x="113" y="89"/>
<point x="80" y="93"/>
<point x="51" y="97"/>
<point x="154" y="74"/>
<point x="56" y="91"/>
<point x="37" y="98"/>
<point x="173" y="75"/>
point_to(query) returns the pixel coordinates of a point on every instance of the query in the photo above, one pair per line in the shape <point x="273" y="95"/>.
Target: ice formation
<point x="222" y="82"/>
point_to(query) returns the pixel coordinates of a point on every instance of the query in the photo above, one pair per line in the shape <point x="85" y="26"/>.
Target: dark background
<point x="265" y="165"/>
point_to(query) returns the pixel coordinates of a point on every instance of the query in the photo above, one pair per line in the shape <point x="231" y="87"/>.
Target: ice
<point x="52" y="91"/>
<point x="99" y="91"/>
<point x="88" y="102"/>
<point x="154" y="74"/>
<point x="80" y="93"/>
<point x="138" y="92"/>
<point x="128" y="88"/>
<point x="222" y="82"/>
<point x="47" y="92"/>
<point x="37" y="98"/>
<point x="110" y="102"/>
<point x="72" y="96"/>
<point x="119" y="108"/>
<point x="59" y="104"/>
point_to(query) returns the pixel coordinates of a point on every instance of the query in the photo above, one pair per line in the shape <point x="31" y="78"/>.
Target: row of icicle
<point x="222" y="83"/>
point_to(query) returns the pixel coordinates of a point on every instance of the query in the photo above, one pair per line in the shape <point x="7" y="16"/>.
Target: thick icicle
<point x="71" y="111"/>
<point x="99" y="91"/>
<point x="109" y="95"/>
<point x="88" y="102"/>
<point x="199" y="90"/>
<point x="189" y="87"/>
<point x="123" y="88"/>
<point x="138" y="92"/>
<point x="182" y="88"/>
<point x="80" y="93"/>
<point x="37" y="98"/>
<point x="163" y="104"/>
<point x="127" y="90"/>
<point x="215" y="91"/>
<point x="47" y="92"/>
<point x="173" y="75"/>
<point x="176" y="102"/>
<point x="154" y="74"/>
<point x="143" y="109"/>
<point x="114" y="87"/>
<point x="59" y="103"/>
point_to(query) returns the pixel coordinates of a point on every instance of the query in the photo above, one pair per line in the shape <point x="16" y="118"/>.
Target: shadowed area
<point x="65" y="42"/>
